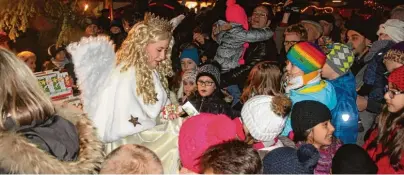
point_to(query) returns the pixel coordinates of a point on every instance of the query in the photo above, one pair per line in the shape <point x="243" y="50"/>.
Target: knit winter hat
<point x="396" y="53"/>
<point x="326" y="17"/>
<point x="394" y="28"/>
<point x="236" y="14"/>
<point x="287" y="160"/>
<point x="306" y="56"/>
<point x="340" y="58"/>
<point x="397" y="77"/>
<point x="200" y="132"/>
<point x="191" y="53"/>
<point x="307" y="114"/>
<point x="189" y="75"/>
<point x="352" y="159"/>
<point x="367" y="28"/>
<point x="53" y="50"/>
<point x="209" y="70"/>
<point x="264" y="116"/>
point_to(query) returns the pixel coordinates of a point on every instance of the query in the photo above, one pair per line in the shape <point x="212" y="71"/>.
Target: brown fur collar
<point x="18" y="155"/>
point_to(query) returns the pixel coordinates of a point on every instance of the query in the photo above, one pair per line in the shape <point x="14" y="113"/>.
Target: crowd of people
<point x="269" y="93"/>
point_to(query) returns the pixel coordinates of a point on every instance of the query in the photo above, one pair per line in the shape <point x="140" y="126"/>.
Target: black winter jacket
<point x="213" y="104"/>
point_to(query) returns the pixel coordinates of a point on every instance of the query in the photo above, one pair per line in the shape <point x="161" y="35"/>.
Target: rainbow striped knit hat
<point x="306" y="56"/>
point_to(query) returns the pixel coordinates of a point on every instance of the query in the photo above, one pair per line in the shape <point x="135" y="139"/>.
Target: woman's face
<point x="206" y="86"/>
<point x="293" y="71"/>
<point x="259" y="18"/>
<point x="189" y="87"/>
<point x="394" y="99"/>
<point x="156" y="53"/>
<point x="321" y="134"/>
<point x="187" y="64"/>
<point x="60" y="56"/>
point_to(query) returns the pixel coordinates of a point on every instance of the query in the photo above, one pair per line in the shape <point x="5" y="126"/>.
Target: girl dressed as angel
<point x="125" y="93"/>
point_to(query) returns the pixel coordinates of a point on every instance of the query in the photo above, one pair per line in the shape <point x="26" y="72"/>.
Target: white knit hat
<point x="264" y="116"/>
<point x="394" y="28"/>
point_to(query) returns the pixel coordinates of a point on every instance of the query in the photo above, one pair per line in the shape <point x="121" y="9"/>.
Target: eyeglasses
<point x="204" y="83"/>
<point x="260" y="14"/>
<point x="392" y="92"/>
<point x="290" y="42"/>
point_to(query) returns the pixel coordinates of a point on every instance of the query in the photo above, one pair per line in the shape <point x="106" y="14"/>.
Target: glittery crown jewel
<point x="152" y="20"/>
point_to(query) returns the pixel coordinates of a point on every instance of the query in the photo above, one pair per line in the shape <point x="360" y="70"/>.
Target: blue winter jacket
<point x="345" y="114"/>
<point x="322" y="91"/>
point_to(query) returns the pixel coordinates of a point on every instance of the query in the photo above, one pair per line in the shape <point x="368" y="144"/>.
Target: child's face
<point x="206" y="86"/>
<point x="30" y="62"/>
<point x="189" y="87"/>
<point x="394" y="100"/>
<point x="187" y="64"/>
<point x="321" y="135"/>
<point x="60" y="56"/>
<point x="391" y="65"/>
<point x="327" y="72"/>
<point x="293" y="71"/>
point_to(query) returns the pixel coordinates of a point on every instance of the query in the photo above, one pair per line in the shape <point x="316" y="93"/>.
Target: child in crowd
<point x="311" y="123"/>
<point x="234" y="42"/>
<point x="394" y="58"/>
<point x="209" y="97"/>
<point x="337" y="71"/>
<point x="60" y="59"/>
<point x="305" y="61"/>
<point x="28" y="58"/>
<point x="385" y="144"/>
<point x="232" y="157"/>
<point x="286" y="160"/>
<point x="132" y="159"/>
<point x="189" y="59"/>
<point x="352" y="159"/>
<point x="263" y="79"/>
<point x="188" y="85"/>
<point x="264" y="118"/>
<point x="200" y="132"/>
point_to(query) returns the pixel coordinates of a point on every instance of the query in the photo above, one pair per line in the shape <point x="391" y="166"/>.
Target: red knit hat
<point x="397" y="77"/>
<point x="200" y="132"/>
<point x="236" y="14"/>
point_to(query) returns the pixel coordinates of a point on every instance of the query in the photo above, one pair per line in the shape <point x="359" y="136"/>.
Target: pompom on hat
<point x="200" y="132"/>
<point x="306" y="56"/>
<point x="264" y="116"/>
<point x="287" y="160"/>
<point x="397" y="77"/>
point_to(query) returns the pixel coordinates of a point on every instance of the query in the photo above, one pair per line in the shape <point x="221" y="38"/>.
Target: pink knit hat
<point x="200" y="132"/>
<point x="236" y="14"/>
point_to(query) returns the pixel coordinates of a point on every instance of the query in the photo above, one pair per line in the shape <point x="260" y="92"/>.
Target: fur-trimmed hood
<point x="18" y="155"/>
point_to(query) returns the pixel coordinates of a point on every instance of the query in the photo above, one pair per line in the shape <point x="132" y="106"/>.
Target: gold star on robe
<point x="134" y="121"/>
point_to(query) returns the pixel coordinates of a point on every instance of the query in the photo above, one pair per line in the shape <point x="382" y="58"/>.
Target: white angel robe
<point x="110" y="99"/>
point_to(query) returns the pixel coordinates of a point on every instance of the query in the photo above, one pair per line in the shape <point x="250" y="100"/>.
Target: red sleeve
<point x="373" y="136"/>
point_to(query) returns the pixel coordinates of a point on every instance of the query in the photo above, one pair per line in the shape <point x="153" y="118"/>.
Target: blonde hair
<point x="21" y="96"/>
<point x="133" y="54"/>
<point x="24" y="55"/>
<point x="132" y="159"/>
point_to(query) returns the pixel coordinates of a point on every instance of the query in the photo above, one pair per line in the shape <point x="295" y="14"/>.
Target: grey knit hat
<point x="209" y="70"/>
<point x="340" y="58"/>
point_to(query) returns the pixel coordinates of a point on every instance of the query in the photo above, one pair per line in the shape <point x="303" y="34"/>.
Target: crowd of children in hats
<point x="335" y="106"/>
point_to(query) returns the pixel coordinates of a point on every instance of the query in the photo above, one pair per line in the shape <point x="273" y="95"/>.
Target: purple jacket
<point x="324" y="164"/>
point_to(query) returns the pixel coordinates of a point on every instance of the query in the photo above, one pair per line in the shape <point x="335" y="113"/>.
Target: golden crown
<point x="152" y="20"/>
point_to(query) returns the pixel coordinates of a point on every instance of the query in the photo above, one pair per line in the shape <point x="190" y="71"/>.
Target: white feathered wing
<point x="94" y="60"/>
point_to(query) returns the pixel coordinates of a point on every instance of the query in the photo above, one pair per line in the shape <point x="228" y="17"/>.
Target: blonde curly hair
<point x="133" y="54"/>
